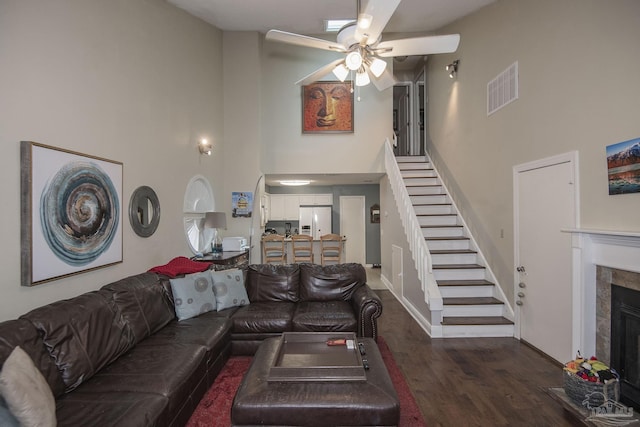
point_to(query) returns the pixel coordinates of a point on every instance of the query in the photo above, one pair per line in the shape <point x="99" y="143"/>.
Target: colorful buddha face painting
<point x="327" y="107"/>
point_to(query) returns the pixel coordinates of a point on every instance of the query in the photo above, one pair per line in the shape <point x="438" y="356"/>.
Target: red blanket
<point x="180" y="265"/>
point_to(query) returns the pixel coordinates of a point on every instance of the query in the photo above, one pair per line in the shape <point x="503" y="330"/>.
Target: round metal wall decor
<point x="144" y="211"/>
<point x="79" y="213"/>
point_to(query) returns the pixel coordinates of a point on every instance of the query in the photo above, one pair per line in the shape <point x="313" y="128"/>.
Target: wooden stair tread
<point x="471" y="301"/>
<point x="430" y="215"/>
<point x="456" y="266"/>
<point x="447" y="238"/>
<point x="481" y="320"/>
<point x="441" y="226"/>
<point x="476" y="282"/>
<point x="452" y="251"/>
<point x="429" y="204"/>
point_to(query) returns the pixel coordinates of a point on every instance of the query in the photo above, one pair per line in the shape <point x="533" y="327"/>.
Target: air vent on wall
<point x="503" y="89"/>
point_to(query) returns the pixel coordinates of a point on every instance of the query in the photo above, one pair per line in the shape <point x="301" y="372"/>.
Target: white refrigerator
<point x="315" y="221"/>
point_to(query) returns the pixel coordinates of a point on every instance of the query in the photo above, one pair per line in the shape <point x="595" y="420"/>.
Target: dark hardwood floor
<point x="472" y="381"/>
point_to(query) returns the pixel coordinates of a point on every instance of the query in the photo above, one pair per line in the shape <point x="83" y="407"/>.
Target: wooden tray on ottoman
<point x="304" y="356"/>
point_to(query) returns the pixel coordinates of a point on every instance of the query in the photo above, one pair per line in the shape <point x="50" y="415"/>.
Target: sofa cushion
<point x="330" y="282"/>
<point x="111" y="409"/>
<point x="193" y="295"/>
<point x="82" y="334"/>
<point x="273" y="282"/>
<point x="26" y="392"/>
<point x="6" y="417"/>
<point x="229" y="289"/>
<point x="173" y="370"/>
<point x="261" y="317"/>
<point x="324" y="316"/>
<point x="22" y="333"/>
<point x="142" y="302"/>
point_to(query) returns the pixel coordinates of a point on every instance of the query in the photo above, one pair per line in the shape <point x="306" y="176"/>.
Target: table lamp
<point x="215" y="220"/>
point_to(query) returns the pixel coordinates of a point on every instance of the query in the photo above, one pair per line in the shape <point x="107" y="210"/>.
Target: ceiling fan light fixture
<point x="377" y="67"/>
<point x="341" y="72"/>
<point x="364" y="21"/>
<point x="353" y="60"/>
<point x="362" y="78"/>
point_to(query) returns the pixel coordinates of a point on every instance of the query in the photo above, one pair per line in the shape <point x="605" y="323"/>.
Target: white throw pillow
<point x="193" y="295"/>
<point x="229" y="287"/>
<point x="26" y="392"/>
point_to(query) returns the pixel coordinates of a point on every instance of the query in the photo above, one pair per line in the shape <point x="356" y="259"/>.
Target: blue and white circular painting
<point x="79" y="213"/>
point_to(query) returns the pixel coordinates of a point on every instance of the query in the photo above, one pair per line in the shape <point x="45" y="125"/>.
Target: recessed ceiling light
<point x="334" y="25"/>
<point x="295" y="182"/>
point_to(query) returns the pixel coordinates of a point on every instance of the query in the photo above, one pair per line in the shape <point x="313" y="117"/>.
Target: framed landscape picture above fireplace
<point x="623" y="165"/>
<point x="71" y="210"/>
<point x="327" y="107"/>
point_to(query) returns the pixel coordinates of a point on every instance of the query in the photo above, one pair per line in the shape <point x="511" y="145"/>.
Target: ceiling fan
<point x="361" y="41"/>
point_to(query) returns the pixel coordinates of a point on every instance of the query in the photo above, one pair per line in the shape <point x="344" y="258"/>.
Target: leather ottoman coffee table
<point x="363" y="397"/>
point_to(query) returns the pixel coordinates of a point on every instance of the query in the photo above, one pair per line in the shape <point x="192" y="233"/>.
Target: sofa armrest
<point x="368" y="307"/>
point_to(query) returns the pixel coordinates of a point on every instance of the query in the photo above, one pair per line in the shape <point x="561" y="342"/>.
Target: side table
<point x="225" y="260"/>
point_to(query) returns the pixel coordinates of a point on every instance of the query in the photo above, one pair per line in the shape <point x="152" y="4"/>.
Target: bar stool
<point x="330" y="248"/>
<point x="273" y="249"/>
<point x="302" y="245"/>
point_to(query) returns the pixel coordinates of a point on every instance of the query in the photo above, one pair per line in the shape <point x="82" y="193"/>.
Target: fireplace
<point x="618" y="328"/>
<point x="625" y="341"/>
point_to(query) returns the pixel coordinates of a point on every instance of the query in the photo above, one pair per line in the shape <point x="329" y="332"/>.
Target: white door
<point x="352" y="227"/>
<point x="545" y="205"/>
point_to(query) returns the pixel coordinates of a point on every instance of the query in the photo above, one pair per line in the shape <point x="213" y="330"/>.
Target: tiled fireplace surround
<point x="600" y="258"/>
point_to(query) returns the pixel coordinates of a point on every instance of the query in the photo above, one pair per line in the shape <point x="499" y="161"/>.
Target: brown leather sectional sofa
<point x="119" y="357"/>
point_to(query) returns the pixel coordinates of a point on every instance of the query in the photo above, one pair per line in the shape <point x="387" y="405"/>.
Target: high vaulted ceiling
<point x="307" y="16"/>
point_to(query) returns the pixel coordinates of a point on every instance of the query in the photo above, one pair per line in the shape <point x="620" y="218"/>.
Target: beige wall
<point x="133" y="81"/>
<point x="579" y="90"/>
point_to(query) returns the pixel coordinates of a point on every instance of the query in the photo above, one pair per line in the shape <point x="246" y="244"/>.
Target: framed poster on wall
<point x="327" y="107"/>
<point x="71" y="210"/>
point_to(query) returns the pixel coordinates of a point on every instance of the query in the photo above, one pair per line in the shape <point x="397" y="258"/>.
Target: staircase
<point x="472" y="305"/>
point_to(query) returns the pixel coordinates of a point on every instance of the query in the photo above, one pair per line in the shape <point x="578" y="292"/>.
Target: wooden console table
<point x="226" y="259"/>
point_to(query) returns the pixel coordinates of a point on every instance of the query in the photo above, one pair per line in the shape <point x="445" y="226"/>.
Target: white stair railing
<point x="413" y="231"/>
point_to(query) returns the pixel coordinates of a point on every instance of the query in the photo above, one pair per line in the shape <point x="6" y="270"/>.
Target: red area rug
<point x="214" y="410"/>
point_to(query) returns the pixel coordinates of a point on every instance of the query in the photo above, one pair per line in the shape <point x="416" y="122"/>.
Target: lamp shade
<point x="215" y="220"/>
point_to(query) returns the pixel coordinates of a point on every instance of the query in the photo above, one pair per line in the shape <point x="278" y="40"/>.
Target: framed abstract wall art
<point x="623" y="167"/>
<point x="327" y="107"/>
<point x="71" y="213"/>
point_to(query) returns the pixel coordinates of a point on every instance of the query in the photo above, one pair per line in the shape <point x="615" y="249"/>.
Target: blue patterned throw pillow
<point x="229" y="288"/>
<point x="193" y="295"/>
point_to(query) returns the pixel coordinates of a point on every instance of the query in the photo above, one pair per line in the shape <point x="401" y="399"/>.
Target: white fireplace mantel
<point x="591" y="248"/>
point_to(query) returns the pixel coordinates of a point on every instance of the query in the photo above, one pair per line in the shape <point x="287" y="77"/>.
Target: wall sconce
<point x="453" y="68"/>
<point x="204" y="147"/>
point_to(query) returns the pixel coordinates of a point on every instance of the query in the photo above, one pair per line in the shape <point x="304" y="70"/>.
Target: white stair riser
<point x="442" y="232"/>
<point x="418" y="173"/>
<point x="459" y="274"/>
<point x="437" y="219"/>
<point x="421" y="181"/>
<point x="414" y="165"/>
<point x="466" y="291"/>
<point x="454" y="258"/>
<point x="481" y="310"/>
<point x="400" y="159"/>
<point x="480" y="331"/>
<point x="427" y="190"/>
<point x="432" y="209"/>
<point x="448" y="245"/>
<point x="429" y="200"/>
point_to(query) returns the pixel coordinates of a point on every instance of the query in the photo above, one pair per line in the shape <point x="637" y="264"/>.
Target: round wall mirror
<point x="144" y="211"/>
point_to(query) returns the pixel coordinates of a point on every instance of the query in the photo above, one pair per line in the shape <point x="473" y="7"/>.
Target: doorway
<point x="402" y="119"/>
<point x="545" y="203"/>
<point x="352" y="226"/>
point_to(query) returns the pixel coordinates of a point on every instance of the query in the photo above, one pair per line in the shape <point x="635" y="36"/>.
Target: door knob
<point x="521" y="294"/>
<point x="522" y="285"/>
<point x="519" y="302"/>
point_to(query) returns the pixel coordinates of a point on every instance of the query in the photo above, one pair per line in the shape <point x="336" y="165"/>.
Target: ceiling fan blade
<point x="378" y="12"/>
<point x="300" y="40"/>
<point x="419" y="46"/>
<point x="385" y="81"/>
<point x="319" y="73"/>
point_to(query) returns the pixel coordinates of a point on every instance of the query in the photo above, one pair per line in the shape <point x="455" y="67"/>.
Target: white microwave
<point x="234" y="244"/>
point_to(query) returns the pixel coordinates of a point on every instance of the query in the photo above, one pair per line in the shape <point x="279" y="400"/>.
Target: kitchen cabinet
<point x="284" y="207"/>
<point x="316" y="199"/>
